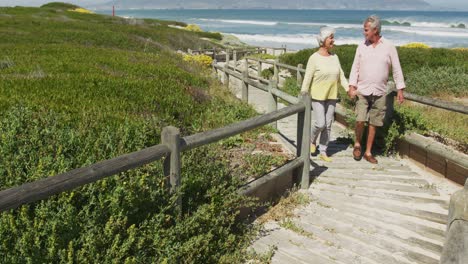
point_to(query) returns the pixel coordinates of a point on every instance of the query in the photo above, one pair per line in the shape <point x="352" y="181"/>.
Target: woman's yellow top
<point x="322" y="76"/>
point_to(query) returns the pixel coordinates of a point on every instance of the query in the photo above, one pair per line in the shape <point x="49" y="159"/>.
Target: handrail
<point x="40" y="189"/>
<point x="437" y="103"/>
<point x="282" y="65"/>
<point x="285" y="96"/>
<point x="434" y="102"/>
<point x="203" y="138"/>
<point x="44" y="188"/>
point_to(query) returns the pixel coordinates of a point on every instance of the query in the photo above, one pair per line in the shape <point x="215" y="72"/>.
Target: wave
<point x="250" y="22"/>
<point x="305" y="41"/>
<point x="335" y="25"/>
<point x="429" y="32"/>
<point x="281" y="38"/>
<point x="418" y="22"/>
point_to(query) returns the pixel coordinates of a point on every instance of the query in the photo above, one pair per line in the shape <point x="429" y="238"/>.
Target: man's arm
<point x="353" y="75"/>
<point x="397" y="74"/>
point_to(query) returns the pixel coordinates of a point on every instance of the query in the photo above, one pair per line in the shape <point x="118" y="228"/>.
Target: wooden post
<point x="259" y="69"/>
<point x="245" y="85"/>
<point x="171" y="138"/>
<point x="276" y="71"/>
<point x="272" y="101"/>
<point x="227" y="55"/>
<point x="226" y="75"/>
<point x="297" y="173"/>
<point x="189" y="51"/>
<point x="305" y="149"/>
<point x="234" y="58"/>
<point x="299" y="75"/>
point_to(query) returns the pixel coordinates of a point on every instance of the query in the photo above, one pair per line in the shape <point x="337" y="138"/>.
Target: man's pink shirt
<point x="371" y="67"/>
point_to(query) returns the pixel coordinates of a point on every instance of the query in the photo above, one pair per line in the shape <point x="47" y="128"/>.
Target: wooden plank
<point x="456" y="172"/>
<point x="418" y="154"/>
<point x="403" y="148"/>
<point x="452" y="106"/>
<point x="203" y="138"/>
<point x="436" y="163"/>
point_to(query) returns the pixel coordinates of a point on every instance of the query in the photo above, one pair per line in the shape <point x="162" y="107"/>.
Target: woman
<point x="323" y="74"/>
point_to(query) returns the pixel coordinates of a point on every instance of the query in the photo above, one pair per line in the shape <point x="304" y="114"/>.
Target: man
<point x="368" y="81"/>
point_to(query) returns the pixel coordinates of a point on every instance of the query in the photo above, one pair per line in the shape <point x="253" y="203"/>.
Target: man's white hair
<point x="374" y="22"/>
<point x="325" y="32"/>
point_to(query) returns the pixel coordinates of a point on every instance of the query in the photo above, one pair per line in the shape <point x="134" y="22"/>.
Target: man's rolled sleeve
<point x="353" y="75"/>
<point x="397" y="71"/>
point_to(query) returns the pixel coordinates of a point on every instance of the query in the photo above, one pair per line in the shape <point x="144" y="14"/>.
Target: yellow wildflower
<point x="81" y="10"/>
<point x="193" y="27"/>
<point x="201" y="59"/>
<point x="416" y="45"/>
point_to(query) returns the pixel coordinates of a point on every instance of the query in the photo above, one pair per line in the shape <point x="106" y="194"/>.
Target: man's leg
<point x="358" y="133"/>
<point x="370" y="139"/>
<point x="362" y="106"/>
<point x="376" y="117"/>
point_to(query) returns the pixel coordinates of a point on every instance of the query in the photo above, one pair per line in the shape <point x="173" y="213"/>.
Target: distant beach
<point x="297" y="28"/>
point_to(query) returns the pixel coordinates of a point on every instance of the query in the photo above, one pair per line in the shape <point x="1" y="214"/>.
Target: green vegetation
<point x="434" y="72"/>
<point x="59" y="6"/>
<point x="81" y="88"/>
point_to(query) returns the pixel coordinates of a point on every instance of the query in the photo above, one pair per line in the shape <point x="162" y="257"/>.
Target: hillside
<point x="80" y="88"/>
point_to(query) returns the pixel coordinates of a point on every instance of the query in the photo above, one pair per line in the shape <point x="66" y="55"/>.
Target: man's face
<point x="369" y="33"/>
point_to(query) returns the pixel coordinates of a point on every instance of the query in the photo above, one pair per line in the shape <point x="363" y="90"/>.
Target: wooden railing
<point x="300" y="71"/>
<point x="172" y="144"/>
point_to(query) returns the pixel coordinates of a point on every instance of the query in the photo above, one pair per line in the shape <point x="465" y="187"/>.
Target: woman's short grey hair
<point x="374" y="23"/>
<point x="325" y="32"/>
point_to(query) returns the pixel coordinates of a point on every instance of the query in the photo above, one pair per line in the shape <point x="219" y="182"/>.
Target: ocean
<point x="297" y="28"/>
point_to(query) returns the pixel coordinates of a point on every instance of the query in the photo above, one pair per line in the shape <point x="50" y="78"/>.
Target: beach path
<point x="392" y="212"/>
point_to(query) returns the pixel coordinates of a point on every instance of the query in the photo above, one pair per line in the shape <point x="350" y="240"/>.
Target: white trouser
<point x="323" y="117"/>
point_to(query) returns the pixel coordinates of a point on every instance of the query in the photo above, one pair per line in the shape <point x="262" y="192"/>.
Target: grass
<point x="79" y="88"/>
<point x="285" y="207"/>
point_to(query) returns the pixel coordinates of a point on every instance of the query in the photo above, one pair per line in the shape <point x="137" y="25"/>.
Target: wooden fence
<point x="446" y="163"/>
<point x="172" y="144"/>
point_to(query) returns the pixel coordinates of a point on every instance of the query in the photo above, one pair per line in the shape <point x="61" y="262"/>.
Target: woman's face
<point x="329" y="42"/>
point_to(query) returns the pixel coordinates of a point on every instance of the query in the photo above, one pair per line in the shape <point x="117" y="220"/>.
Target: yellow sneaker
<point x="313" y="148"/>
<point x="325" y="158"/>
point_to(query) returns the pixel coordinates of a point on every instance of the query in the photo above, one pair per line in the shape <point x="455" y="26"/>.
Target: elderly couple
<point x="367" y="81"/>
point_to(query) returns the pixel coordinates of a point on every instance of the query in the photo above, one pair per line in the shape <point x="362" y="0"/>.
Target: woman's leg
<point x="319" y="123"/>
<point x="329" y="106"/>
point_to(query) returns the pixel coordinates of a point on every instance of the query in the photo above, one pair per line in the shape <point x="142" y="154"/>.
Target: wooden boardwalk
<point x="392" y="212"/>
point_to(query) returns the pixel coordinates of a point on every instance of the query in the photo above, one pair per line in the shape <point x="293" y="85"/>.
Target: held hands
<point x="352" y="91"/>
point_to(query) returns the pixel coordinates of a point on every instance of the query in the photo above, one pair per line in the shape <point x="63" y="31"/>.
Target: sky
<point x="458" y="4"/>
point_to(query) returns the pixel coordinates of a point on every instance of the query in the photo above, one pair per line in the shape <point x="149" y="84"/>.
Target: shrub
<point x="193" y="27"/>
<point x="267" y="73"/>
<point x="201" y="59"/>
<point x="210" y="35"/>
<point x="60" y="5"/>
